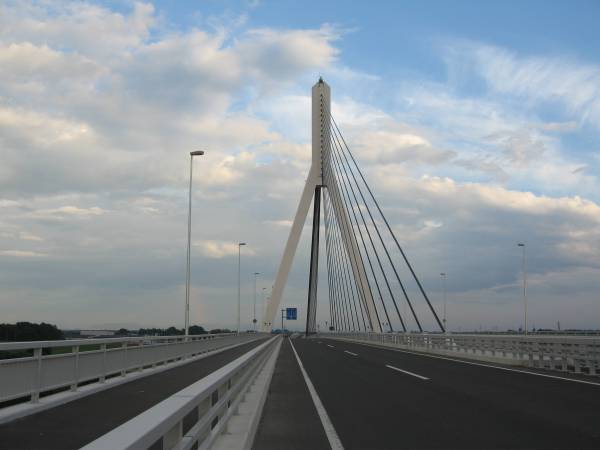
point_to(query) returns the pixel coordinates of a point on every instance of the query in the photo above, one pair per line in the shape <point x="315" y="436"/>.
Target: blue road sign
<point x="291" y="314"/>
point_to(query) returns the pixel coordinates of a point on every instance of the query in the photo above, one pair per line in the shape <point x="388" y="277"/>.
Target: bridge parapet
<point x="578" y="354"/>
<point x="71" y="364"/>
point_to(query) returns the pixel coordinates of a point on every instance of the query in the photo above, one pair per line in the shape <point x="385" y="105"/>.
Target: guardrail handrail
<point x="33" y="375"/>
<point x="29" y="345"/>
<point x="579" y="354"/>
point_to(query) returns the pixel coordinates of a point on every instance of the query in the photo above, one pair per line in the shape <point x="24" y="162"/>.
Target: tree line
<point x="27" y="331"/>
<point x="171" y="331"/>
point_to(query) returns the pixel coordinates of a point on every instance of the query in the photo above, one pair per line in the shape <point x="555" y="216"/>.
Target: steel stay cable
<point x="360" y="302"/>
<point x="348" y="276"/>
<point x="332" y="318"/>
<point x="386" y="250"/>
<point x="343" y="281"/>
<point x="343" y="268"/>
<point x="339" y="291"/>
<point x="336" y="200"/>
<point x="354" y="289"/>
<point x="330" y="274"/>
<point x="350" y="280"/>
<point x="388" y="226"/>
<point x="347" y="200"/>
<point x="363" y="308"/>
<point x="369" y="260"/>
<point x="333" y="188"/>
<point x="338" y="162"/>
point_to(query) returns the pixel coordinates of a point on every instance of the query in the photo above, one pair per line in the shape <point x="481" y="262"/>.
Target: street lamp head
<point x="520" y="244"/>
<point x="443" y="274"/>
<point x="241" y="243"/>
<point x="256" y="273"/>
<point x="197" y="153"/>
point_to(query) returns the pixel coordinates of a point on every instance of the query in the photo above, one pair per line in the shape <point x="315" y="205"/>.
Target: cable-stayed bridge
<point x="364" y="257"/>
<point x="379" y="378"/>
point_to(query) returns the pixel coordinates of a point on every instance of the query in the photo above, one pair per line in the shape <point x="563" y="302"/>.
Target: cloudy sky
<point x="477" y="129"/>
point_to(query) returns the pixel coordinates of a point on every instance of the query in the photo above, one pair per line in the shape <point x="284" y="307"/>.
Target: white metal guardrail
<point x="195" y="416"/>
<point x="578" y="354"/>
<point x="83" y="361"/>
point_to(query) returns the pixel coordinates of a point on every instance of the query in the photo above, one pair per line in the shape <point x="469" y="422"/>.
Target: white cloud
<point x="546" y="79"/>
<point x="26" y="236"/>
<point x="279" y="223"/>
<point x="467" y="195"/>
<point x="67" y="212"/>
<point x="128" y="101"/>
<point x="220" y="249"/>
<point x="96" y="133"/>
<point x="5" y="203"/>
<point x="277" y="55"/>
<point x="486" y="136"/>
<point x="29" y="64"/>
<point x="22" y="254"/>
<point x="76" y="27"/>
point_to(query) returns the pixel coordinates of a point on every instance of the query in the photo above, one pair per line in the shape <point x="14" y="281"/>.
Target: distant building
<point x="96" y="333"/>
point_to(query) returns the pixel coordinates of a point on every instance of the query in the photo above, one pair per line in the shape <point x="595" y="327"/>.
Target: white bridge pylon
<point x="321" y="106"/>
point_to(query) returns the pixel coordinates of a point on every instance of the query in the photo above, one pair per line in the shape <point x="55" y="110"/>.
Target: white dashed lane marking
<point x="407" y="372"/>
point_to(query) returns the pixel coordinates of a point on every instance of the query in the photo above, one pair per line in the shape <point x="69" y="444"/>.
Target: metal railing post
<point x="125" y="360"/>
<point x="35" y="395"/>
<point x="102" y="378"/>
<point x="75" y="351"/>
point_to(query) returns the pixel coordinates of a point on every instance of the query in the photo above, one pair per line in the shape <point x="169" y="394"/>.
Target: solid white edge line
<point x="350" y="353"/>
<point x="407" y="372"/>
<point x="331" y="346"/>
<point x="479" y="364"/>
<point x="332" y="436"/>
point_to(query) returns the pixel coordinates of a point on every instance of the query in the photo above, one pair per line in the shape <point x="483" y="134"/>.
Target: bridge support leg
<point x="321" y="102"/>
<point x="313" y="278"/>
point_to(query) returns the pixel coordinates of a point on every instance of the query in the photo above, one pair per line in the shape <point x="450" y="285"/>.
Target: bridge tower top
<point x="321" y="105"/>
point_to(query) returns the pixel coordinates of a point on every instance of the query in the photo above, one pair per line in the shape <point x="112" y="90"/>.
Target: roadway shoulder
<point x="290" y="419"/>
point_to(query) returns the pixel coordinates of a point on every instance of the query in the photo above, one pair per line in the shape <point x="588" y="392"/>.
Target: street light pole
<point x="443" y="275"/>
<point x="187" y="277"/>
<point x="262" y="297"/>
<point x="268" y="324"/>
<point x="524" y="268"/>
<point x="256" y="274"/>
<point x="239" y="282"/>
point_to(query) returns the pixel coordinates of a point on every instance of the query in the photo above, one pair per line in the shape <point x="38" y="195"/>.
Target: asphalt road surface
<point x="379" y="398"/>
<point x="77" y="423"/>
<point x="289" y="420"/>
